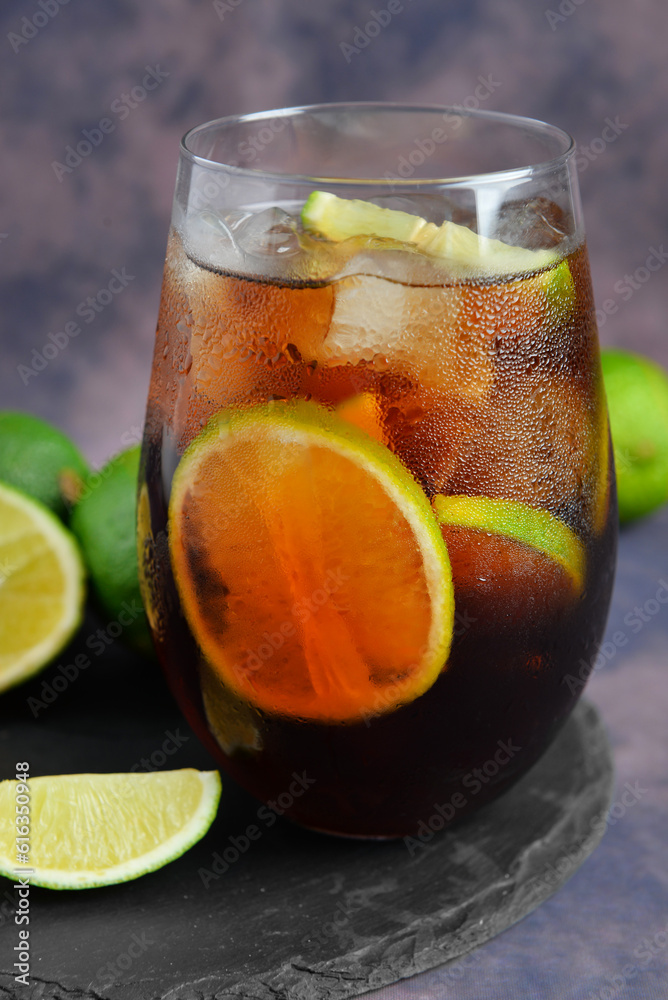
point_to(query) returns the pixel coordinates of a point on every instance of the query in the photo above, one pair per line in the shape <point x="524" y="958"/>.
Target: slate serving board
<point x="289" y="915"/>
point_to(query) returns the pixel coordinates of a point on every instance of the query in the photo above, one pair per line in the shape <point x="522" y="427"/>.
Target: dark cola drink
<point x="377" y="514"/>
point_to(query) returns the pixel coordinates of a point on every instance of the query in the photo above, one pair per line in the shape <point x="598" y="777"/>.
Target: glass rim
<point x="489" y="177"/>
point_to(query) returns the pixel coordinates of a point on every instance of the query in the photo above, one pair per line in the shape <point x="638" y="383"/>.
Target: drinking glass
<point x="377" y="516"/>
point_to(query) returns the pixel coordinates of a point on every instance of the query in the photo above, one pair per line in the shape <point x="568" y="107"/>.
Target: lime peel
<point x="105" y="524"/>
<point x="108" y="828"/>
<point x="531" y="526"/>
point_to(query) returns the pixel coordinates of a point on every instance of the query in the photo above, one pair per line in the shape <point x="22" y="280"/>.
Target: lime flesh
<point x="41" y="586"/>
<point x="90" y="830"/>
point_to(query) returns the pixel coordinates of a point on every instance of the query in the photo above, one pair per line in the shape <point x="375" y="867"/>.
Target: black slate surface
<point x="290" y="914"/>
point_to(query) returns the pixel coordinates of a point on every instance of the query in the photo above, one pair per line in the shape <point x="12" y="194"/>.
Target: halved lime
<point x="40" y="460"/>
<point x="309" y="563"/>
<point x="41" y="586"/>
<point x="529" y="525"/>
<point x="88" y="830"/>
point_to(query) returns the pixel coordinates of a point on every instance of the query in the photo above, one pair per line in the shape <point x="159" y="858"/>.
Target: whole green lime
<point x="105" y="522"/>
<point x="40" y="460"/>
<point x="637" y="391"/>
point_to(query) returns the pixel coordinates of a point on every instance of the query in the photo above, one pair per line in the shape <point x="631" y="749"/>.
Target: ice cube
<point x="424" y="332"/>
<point x="382" y="258"/>
<point x="210" y="238"/>
<point x="268" y="233"/>
<point x="218" y="225"/>
<point x="535" y="223"/>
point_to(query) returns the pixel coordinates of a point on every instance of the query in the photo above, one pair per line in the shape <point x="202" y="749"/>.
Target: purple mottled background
<point x="62" y="234"/>
<point x="580" y="64"/>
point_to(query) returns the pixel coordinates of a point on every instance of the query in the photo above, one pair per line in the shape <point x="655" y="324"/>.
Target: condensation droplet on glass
<point x="292" y="353"/>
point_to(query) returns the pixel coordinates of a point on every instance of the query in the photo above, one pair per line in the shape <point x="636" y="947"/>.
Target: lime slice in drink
<point x="41" y="586"/>
<point x="600" y="484"/>
<point x="637" y="391"/>
<point x="232" y="721"/>
<point x="89" y="830"/>
<point x="310" y="566"/>
<point x="530" y="526"/>
<point x="341" y="218"/>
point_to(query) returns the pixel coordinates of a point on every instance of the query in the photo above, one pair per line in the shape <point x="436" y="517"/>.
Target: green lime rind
<point x="40" y="460"/>
<point x="105" y="523"/>
<point x="22" y="516"/>
<point x="637" y="392"/>
<point x="529" y="525"/>
<point x="559" y="289"/>
<point x="124" y="820"/>
<point x="342" y="218"/>
<point x="308" y="424"/>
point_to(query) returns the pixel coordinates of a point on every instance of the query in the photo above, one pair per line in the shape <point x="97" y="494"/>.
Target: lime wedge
<point x="41" y="586"/>
<point x="89" y="830"/>
<point x="339" y="219"/>
<point x="533" y="527"/>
